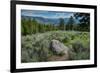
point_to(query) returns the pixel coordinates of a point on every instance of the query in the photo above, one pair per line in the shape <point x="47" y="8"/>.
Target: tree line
<point x="31" y="26"/>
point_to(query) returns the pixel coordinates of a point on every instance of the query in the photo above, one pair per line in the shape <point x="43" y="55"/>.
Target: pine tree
<point x="84" y="19"/>
<point x="61" y="24"/>
<point x="70" y="23"/>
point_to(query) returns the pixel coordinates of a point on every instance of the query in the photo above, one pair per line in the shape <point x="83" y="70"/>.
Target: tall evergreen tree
<point x="70" y="23"/>
<point x="61" y="24"/>
<point x="84" y="19"/>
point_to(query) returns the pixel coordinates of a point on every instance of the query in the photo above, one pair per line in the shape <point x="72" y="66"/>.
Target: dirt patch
<point x="58" y="58"/>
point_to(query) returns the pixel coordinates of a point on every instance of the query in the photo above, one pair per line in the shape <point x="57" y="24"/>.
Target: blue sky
<point x="46" y="14"/>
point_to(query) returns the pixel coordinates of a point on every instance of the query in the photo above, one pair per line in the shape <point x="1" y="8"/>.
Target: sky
<point x="46" y="14"/>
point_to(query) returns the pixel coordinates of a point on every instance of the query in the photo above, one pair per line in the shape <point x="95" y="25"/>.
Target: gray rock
<point x="59" y="47"/>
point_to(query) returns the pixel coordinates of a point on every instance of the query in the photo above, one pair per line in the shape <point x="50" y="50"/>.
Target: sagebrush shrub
<point x="36" y="47"/>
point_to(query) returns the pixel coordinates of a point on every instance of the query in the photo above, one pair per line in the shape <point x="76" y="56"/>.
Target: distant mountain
<point x="47" y="20"/>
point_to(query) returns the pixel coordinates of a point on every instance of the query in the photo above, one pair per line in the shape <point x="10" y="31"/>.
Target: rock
<point x="59" y="47"/>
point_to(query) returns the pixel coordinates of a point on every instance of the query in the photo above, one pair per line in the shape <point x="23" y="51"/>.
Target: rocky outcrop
<point x="59" y="48"/>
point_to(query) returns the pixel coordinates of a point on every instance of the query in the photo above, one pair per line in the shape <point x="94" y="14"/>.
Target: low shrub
<point x="36" y="47"/>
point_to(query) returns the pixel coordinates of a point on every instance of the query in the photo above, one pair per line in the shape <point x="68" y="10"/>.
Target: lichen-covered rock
<point x="59" y="47"/>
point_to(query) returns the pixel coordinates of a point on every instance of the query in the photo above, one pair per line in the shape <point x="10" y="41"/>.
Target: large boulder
<point x="59" y="47"/>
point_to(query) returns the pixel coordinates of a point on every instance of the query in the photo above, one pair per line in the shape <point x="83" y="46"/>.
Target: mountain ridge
<point x="47" y="20"/>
